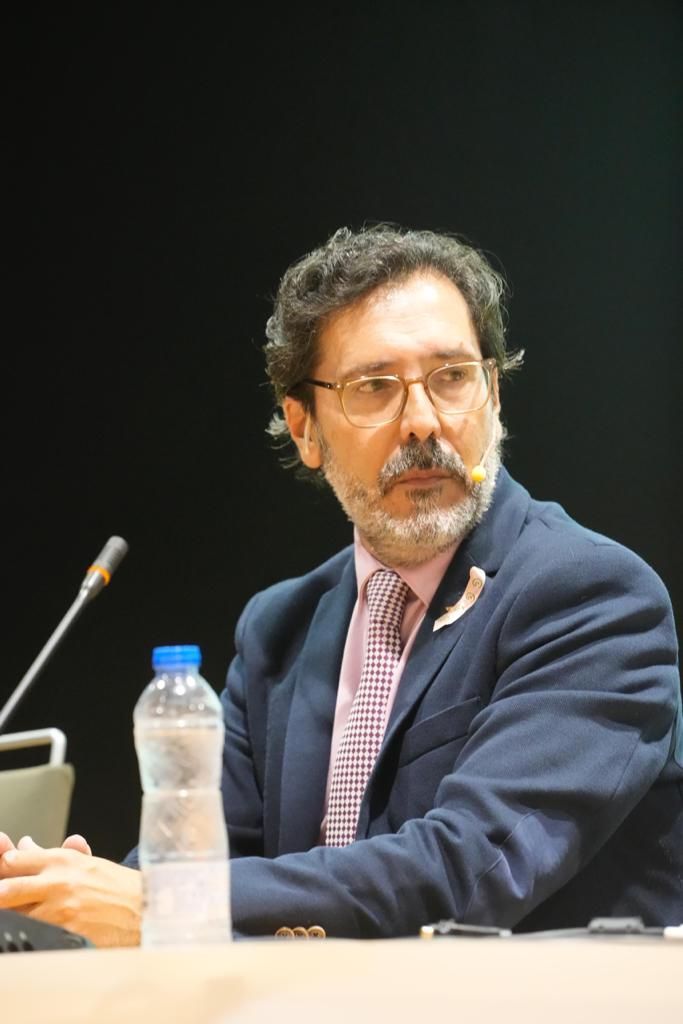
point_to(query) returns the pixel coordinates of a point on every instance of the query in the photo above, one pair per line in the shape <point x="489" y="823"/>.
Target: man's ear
<point x="300" y="425"/>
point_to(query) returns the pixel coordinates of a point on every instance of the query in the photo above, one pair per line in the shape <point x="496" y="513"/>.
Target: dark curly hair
<point x="350" y="265"/>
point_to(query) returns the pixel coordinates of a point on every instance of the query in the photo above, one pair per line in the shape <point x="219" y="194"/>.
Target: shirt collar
<point x="423" y="580"/>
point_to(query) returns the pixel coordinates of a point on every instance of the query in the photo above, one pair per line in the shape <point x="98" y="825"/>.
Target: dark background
<point x="166" y="167"/>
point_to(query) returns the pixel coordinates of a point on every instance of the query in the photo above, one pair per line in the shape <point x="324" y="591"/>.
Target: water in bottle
<point x="183" y="846"/>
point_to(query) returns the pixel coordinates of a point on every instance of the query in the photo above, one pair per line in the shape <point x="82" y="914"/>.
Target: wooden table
<point x="578" y="981"/>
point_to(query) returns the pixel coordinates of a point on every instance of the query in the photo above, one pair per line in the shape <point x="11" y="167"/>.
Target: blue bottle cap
<point x="179" y="656"/>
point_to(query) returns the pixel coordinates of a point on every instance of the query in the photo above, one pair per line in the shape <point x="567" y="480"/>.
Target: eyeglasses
<point x="453" y="389"/>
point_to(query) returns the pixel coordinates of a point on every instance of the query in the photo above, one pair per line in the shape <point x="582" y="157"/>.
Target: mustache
<point x="421" y="455"/>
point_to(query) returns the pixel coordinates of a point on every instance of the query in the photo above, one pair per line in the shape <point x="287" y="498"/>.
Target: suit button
<point x="300" y="932"/>
<point x="284" y="933"/>
<point x="317" y="932"/>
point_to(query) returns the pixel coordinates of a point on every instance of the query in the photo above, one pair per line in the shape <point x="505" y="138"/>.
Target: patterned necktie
<point x="386" y="595"/>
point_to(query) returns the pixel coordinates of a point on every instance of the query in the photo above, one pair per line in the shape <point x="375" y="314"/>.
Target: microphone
<point x="96" y="578"/>
<point x="478" y="472"/>
<point x="103" y="568"/>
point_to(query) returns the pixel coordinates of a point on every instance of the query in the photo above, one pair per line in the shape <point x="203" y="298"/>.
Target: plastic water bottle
<point x="183" y="848"/>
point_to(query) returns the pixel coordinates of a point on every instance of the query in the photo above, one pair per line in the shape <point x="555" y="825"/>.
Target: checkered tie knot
<point x="386" y="596"/>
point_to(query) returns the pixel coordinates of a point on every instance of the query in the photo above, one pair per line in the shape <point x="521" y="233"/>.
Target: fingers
<point x="5" y="843"/>
<point x="20" y="881"/>
<point x="19" y="893"/>
<point x="77" y="842"/>
<point x="42" y="878"/>
<point x="30" y="859"/>
<point x="88" y="895"/>
<point x="74" y="842"/>
<point x="26" y="843"/>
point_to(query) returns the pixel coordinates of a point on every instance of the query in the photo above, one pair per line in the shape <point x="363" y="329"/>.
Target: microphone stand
<point x="48" y="650"/>
<point x="97" y="577"/>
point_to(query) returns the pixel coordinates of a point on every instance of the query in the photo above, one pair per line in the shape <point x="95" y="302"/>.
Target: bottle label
<point x="187" y="894"/>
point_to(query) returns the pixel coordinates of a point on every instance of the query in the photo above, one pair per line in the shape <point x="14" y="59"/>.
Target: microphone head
<point x="111" y="555"/>
<point x="104" y="566"/>
<point x="478" y="474"/>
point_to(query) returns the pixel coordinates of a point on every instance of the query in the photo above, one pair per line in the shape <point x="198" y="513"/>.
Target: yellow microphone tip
<point x="478" y="474"/>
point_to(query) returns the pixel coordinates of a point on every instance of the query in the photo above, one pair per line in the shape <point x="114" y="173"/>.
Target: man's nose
<point x="419" y="417"/>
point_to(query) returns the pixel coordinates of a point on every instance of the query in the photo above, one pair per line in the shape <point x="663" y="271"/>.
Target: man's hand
<point x="74" y="842"/>
<point x="5" y="843"/>
<point x="69" y="887"/>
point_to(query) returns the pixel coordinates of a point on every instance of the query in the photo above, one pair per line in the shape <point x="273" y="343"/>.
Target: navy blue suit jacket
<point x="531" y="772"/>
<point x="531" y="775"/>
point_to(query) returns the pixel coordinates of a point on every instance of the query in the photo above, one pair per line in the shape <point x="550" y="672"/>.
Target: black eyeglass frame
<point x="488" y="365"/>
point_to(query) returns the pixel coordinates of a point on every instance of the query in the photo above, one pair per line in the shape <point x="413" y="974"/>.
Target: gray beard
<point x="406" y="541"/>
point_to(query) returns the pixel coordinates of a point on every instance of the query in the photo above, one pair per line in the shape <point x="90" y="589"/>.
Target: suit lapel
<point x="430" y="649"/>
<point x="486" y="548"/>
<point x="309" y="726"/>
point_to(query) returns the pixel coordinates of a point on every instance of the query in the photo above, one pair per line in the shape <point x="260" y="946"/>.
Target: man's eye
<point x="452" y="375"/>
<point x="374" y="386"/>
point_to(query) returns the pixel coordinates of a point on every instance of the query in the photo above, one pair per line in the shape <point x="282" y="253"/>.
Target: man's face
<point x="406" y="484"/>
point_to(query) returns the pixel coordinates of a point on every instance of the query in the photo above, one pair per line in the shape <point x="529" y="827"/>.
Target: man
<point x="473" y="712"/>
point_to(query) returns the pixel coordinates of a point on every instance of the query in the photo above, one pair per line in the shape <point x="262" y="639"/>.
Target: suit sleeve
<point x="241" y="787"/>
<point x="578" y="727"/>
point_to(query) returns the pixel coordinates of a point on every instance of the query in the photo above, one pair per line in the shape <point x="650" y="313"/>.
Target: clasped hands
<point x="67" y="886"/>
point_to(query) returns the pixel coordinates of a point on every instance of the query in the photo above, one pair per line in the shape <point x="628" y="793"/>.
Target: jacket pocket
<point x="442" y="727"/>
